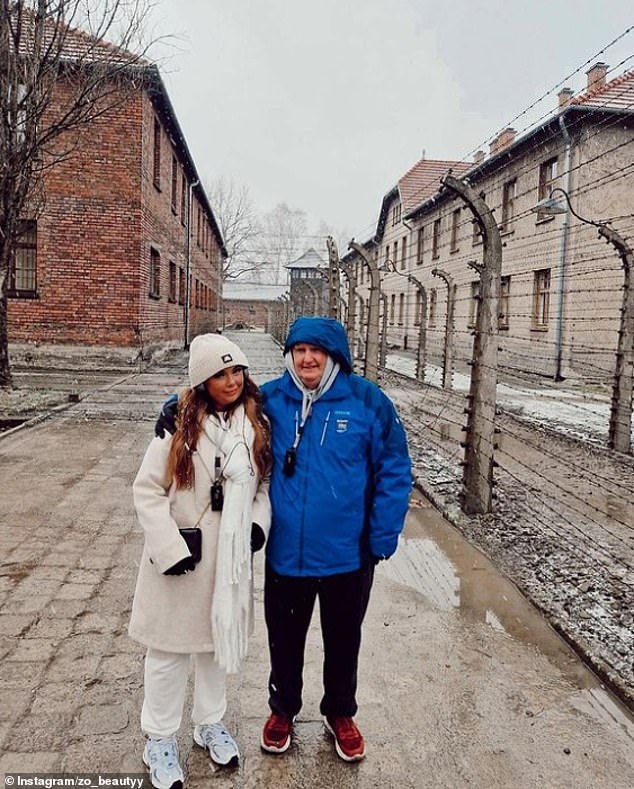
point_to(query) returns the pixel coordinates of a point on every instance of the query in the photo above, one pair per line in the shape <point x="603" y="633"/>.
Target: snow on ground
<point x="562" y="520"/>
<point x="577" y="414"/>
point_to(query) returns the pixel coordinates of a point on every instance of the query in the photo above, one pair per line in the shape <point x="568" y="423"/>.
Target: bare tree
<point x="284" y="232"/>
<point x="63" y="64"/>
<point x="239" y="225"/>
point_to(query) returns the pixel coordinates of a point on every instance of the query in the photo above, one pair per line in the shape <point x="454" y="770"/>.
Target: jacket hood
<point x="326" y="333"/>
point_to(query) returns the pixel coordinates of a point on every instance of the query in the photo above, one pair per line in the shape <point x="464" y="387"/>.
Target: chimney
<point x="596" y="76"/>
<point x="565" y="97"/>
<point x="478" y="157"/>
<point x="505" y="138"/>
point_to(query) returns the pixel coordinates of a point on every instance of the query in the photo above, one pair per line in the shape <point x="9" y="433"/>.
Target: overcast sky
<point x="324" y="104"/>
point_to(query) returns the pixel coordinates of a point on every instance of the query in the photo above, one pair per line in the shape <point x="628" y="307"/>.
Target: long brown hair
<point x="193" y="407"/>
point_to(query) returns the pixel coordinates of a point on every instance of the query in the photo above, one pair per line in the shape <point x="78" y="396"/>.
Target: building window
<point x="435" y="240"/>
<point x="392" y="307"/>
<point x="403" y="252"/>
<point x="23" y="265"/>
<point x="541" y="298"/>
<point x="455" y="221"/>
<point x="155" y="273"/>
<point x="181" y="285"/>
<point x="547" y="176"/>
<point x="504" y="303"/>
<point x="174" y="191"/>
<point x="508" y="205"/>
<point x="401" y="308"/>
<point x="157" y="154"/>
<point x="433" y="298"/>
<point x="396" y="214"/>
<point x="171" y="296"/>
<point x="477" y="230"/>
<point x="420" y="246"/>
<point x="394" y="255"/>
<point x="474" y="303"/>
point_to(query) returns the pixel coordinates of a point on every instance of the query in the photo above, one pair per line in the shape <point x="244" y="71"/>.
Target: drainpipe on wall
<point x="561" y="273"/>
<point x="188" y="262"/>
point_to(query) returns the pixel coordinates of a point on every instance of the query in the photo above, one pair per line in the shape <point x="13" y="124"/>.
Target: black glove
<point x="185" y="565"/>
<point x="257" y="537"/>
<point x="167" y="418"/>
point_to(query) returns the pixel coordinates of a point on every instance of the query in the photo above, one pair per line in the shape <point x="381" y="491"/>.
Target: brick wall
<point x="88" y="239"/>
<point x="102" y="217"/>
<point x="251" y="313"/>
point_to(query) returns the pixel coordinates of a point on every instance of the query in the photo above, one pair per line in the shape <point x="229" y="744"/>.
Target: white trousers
<point x="166" y="675"/>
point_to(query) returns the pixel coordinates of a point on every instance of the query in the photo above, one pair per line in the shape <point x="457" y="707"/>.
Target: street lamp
<point x="620" y="430"/>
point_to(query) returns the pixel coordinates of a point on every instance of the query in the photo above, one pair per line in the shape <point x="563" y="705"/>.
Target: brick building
<point x="248" y="305"/>
<point x="106" y="263"/>
<point x="561" y="287"/>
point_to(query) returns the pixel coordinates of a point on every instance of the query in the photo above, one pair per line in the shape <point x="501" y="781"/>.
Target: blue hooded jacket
<point x="349" y="494"/>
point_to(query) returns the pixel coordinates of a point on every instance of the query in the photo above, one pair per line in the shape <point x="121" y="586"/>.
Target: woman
<point x="211" y="474"/>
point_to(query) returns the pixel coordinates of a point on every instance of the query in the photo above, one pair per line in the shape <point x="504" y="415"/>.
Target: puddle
<point x="436" y="561"/>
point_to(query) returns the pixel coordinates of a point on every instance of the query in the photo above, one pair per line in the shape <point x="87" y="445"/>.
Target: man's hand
<point x="186" y="565"/>
<point x="257" y="537"/>
<point x="166" y="421"/>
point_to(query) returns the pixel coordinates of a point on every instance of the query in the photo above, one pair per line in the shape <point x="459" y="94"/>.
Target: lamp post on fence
<point x="350" y="273"/>
<point x="421" y="350"/>
<point x="620" y="430"/>
<point x="372" y="345"/>
<point x="383" y="342"/>
<point x="362" y="321"/>
<point x="479" y="441"/>
<point x="447" y="366"/>
<point x="333" y="278"/>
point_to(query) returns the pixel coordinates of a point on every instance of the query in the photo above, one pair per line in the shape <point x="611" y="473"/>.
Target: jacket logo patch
<point x="226" y="358"/>
<point x="342" y="425"/>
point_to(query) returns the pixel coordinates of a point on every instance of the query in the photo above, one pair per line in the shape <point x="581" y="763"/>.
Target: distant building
<point x="125" y="222"/>
<point x="309" y="291"/>
<point x="250" y="305"/>
<point x="561" y="286"/>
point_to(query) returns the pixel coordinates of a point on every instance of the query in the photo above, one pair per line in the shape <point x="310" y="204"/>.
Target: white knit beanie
<point x="210" y="353"/>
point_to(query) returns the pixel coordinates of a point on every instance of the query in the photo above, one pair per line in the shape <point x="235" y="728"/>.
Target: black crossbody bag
<point x="193" y="536"/>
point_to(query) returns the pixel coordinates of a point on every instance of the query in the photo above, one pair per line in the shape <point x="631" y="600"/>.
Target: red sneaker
<point x="276" y="734"/>
<point x="349" y="742"/>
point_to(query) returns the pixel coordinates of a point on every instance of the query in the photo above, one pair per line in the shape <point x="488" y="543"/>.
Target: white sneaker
<point x="161" y="758"/>
<point x="220" y="744"/>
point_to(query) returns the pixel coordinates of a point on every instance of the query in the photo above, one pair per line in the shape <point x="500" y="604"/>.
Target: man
<point x="339" y="494"/>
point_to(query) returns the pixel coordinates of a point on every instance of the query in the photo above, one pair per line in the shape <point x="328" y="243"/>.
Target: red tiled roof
<point x="422" y="181"/>
<point x="617" y="94"/>
<point x="73" y="44"/>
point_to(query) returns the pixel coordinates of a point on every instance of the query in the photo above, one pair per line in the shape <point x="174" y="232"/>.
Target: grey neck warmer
<point x="310" y="396"/>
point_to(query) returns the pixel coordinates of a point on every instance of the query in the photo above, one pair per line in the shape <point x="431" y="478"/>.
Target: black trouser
<point x="288" y="608"/>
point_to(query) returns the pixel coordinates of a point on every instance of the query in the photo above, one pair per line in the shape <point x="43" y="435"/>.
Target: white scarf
<point x="232" y="605"/>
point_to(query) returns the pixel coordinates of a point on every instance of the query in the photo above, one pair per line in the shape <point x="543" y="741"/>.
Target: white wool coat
<point x="173" y="612"/>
